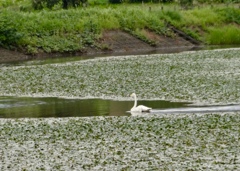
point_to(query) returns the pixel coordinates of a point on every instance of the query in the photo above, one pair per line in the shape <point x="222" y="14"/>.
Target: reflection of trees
<point x="55" y="107"/>
<point x="26" y="109"/>
<point x="160" y="104"/>
<point x="119" y="108"/>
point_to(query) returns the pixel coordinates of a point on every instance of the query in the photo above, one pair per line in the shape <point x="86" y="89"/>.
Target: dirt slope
<point x="112" y="42"/>
<point x="118" y="40"/>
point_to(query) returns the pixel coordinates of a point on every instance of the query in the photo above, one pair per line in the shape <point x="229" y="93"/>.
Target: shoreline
<point x="10" y="56"/>
<point x="118" y="42"/>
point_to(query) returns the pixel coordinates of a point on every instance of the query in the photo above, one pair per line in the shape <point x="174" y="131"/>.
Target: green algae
<point x="203" y="76"/>
<point x="166" y="142"/>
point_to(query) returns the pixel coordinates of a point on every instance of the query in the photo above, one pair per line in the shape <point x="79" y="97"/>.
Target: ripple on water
<point x="15" y="107"/>
<point x="21" y="107"/>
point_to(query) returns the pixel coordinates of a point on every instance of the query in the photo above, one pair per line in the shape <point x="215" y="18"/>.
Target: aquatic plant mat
<point x="151" y="142"/>
<point x="207" y="77"/>
<point x="157" y="142"/>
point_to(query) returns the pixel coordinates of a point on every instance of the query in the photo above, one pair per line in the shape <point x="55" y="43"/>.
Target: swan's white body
<point x="139" y="108"/>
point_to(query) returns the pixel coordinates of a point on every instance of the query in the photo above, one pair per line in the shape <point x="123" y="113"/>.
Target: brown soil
<point x="119" y="41"/>
<point x="8" y="55"/>
<point x="112" y="42"/>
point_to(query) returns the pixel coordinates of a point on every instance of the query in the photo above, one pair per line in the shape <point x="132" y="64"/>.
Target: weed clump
<point x="78" y="28"/>
<point x="224" y="36"/>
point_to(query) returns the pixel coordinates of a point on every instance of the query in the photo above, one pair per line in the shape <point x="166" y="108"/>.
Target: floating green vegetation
<point x="165" y="142"/>
<point x="201" y="76"/>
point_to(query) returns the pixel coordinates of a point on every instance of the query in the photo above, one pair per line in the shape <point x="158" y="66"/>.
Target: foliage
<point x="9" y="35"/>
<point x="64" y="31"/>
<point x="40" y="4"/>
<point x="115" y="1"/>
<point x="54" y="31"/>
<point x="195" y="22"/>
<point x="141" y="34"/>
<point x="186" y="3"/>
<point x="230" y="14"/>
<point x="173" y="15"/>
<point x="154" y="1"/>
<point x="227" y="35"/>
<point x="192" y="33"/>
<point x="98" y="2"/>
<point x="218" y="1"/>
<point x="201" y="17"/>
<point x="76" y="28"/>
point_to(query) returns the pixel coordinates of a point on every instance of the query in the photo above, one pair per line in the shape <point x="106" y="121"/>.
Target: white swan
<point x="139" y="108"/>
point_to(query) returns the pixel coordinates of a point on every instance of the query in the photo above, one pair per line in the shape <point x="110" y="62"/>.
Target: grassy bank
<point x="76" y="29"/>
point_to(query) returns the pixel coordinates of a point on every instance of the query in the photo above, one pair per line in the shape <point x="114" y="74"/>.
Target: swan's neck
<point x="135" y="101"/>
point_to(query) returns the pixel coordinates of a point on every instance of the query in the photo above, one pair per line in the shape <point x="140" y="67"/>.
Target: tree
<point x="115" y="1"/>
<point x="40" y="4"/>
<point x="186" y="3"/>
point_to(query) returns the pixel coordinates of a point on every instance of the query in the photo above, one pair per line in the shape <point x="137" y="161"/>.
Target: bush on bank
<point x="75" y="29"/>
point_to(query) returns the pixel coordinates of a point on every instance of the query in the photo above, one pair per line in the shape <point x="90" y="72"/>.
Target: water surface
<point x="27" y="107"/>
<point x="63" y="59"/>
<point x="20" y="107"/>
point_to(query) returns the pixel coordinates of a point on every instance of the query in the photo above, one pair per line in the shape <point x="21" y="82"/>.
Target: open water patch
<point x="64" y="59"/>
<point x="21" y="107"/>
<point x="199" y="109"/>
<point x="29" y="107"/>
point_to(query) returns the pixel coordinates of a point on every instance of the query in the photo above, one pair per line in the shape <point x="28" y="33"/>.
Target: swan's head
<point x="133" y="95"/>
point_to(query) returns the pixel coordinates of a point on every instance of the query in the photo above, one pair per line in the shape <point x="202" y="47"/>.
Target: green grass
<point x="201" y="17"/>
<point x="227" y="35"/>
<point x="74" y="29"/>
<point x="98" y="2"/>
<point x="46" y="30"/>
<point x="231" y="15"/>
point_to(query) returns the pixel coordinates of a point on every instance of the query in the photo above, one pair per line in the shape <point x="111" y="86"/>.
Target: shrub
<point x="230" y="14"/>
<point x="186" y="3"/>
<point x="115" y="1"/>
<point x="154" y="1"/>
<point x="201" y="17"/>
<point x="9" y="34"/>
<point x="40" y="4"/>
<point x="218" y="1"/>
<point x="227" y="35"/>
<point x="173" y="15"/>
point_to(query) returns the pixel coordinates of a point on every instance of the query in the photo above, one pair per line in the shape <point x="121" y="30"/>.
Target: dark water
<point x="26" y="107"/>
<point x="15" y="107"/>
<point x="63" y="59"/>
<point x="20" y="107"/>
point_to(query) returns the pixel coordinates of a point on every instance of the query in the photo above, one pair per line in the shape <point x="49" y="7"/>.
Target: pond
<point x="27" y="107"/>
<point x="20" y="107"/>
<point x="63" y="59"/>
<point x="25" y="81"/>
